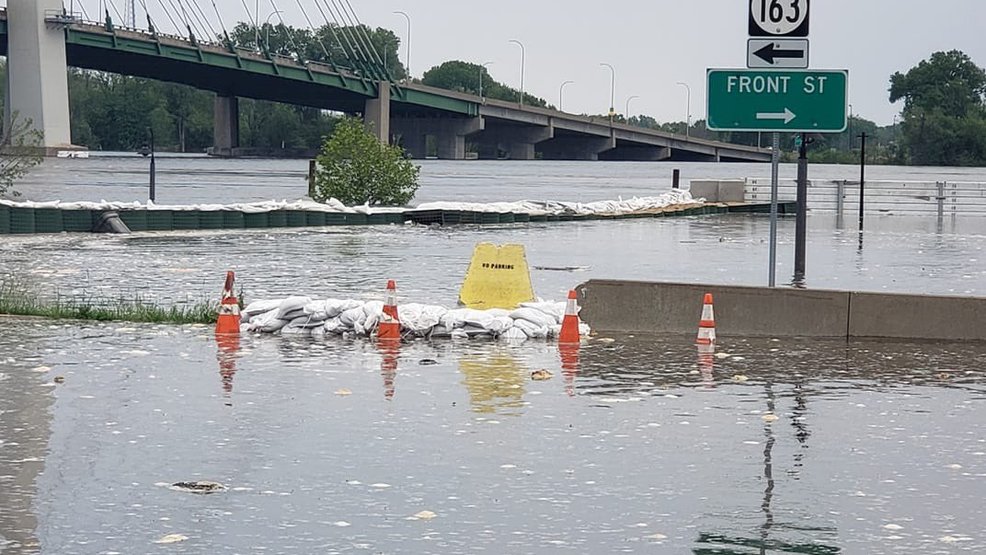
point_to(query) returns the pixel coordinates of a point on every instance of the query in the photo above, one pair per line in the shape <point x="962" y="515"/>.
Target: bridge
<point x="40" y="40"/>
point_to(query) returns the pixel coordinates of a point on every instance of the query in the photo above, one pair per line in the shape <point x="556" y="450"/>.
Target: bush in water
<point x="355" y="168"/>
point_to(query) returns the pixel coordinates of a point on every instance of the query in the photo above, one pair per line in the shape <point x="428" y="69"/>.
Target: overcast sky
<point x="653" y="44"/>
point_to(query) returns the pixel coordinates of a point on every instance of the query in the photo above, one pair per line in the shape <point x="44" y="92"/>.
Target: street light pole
<point x="561" y="89"/>
<point x="408" y="18"/>
<point x="482" y="69"/>
<point x="612" y="90"/>
<point x="626" y="113"/>
<point x="688" y="109"/>
<point x="267" y="29"/>
<point x="523" y="55"/>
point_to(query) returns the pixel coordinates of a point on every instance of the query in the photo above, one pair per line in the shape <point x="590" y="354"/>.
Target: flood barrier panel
<point x="22" y="220"/>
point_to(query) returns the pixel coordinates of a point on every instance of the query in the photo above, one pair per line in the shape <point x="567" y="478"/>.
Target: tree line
<point x="943" y="121"/>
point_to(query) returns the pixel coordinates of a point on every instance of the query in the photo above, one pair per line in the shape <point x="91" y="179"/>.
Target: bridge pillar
<point x="575" y="148"/>
<point x="225" y="125"/>
<point x="449" y="133"/>
<point x="519" y="142"/>
<point x="376" y="115"/>
<point x="37" y="74"/>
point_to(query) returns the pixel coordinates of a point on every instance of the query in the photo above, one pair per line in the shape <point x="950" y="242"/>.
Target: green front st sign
<point x="813" y="101"/>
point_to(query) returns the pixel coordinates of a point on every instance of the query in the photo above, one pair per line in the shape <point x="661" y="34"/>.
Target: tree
<point x="460" y="76"/>
<point x="20" y="147"/>
<point x="355" y="168"/>
<point x="944" y="110"/>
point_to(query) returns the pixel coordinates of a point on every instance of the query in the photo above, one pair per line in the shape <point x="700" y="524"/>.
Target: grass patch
<point x="21" y="302"/>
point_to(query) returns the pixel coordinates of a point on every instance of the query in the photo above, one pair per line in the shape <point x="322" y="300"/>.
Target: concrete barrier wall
<point x="917" y="317"/>
<point x="629" y="306"/>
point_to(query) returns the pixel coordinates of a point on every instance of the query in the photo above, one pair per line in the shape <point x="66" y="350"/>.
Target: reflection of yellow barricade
<point x="498" y="277"/>
<point x="495" y="381"/>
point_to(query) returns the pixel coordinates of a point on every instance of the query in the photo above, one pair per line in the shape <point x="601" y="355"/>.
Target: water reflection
<point x="569" y="353"/>
<point x="389" y="350"/>
<point x="726" y="544"/>
<point x="228" y="350"/>
<point x="494" y="379"/>
<point x="26" y="399"/>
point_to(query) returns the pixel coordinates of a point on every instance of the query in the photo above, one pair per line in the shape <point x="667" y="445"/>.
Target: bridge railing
<point x="880" y="196"/>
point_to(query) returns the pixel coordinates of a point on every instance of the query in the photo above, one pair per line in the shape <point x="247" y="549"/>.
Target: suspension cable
<point x="314" y="33"/>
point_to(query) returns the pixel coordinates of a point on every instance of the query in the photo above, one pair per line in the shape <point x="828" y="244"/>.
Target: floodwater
<point x="636" y="444"/>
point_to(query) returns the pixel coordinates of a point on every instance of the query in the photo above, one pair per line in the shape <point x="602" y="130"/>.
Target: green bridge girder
<point x="237" y="73"/>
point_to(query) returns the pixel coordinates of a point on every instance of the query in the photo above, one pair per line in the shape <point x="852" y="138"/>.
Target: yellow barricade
<point x="498" y="277"/>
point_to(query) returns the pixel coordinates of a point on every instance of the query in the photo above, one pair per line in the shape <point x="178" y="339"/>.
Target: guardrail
<point x="894" y="197"/>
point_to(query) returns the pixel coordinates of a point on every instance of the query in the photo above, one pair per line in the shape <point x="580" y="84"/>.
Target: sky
<point x="653" y="44"/>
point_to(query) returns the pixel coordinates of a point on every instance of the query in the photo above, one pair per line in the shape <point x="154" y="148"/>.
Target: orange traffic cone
<point x="390" y="323"/>
<point x="570" y="324"/>
<point x="229" y="309"/>
<point x="707" y="325"/>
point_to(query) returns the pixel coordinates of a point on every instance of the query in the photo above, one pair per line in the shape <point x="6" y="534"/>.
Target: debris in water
<point x="770" y="417"/>
<point x="343" y="392"/>
<point x="59" y="379"/>
<point x="201" y="486"/>
<point x="425" y="515"/>
<point x="740" y="378"/>
<point x="723" y="355"/>
<point x="171" y="538"/>
<point x="541" y="375"/>
<point x="427" y="362"/>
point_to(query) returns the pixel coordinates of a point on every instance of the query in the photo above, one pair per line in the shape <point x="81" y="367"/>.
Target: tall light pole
<point x="561" y="90"/>
<point x="408" y="59"/>
<point x="267" y="29"/>
<point x="612" y="90"/>
<point x="688" y="109"/>
<point x="482" y="69"/>
<point x="626" y="113"/>
<point x="523" y="55"/>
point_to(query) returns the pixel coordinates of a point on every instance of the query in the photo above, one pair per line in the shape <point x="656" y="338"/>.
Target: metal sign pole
<point x="775" y="160"/>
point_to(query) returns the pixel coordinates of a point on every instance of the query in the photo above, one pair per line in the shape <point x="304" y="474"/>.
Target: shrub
<point x="356" y="168"/>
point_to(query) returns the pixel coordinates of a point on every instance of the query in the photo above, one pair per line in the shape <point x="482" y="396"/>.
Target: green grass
<point x="21" y="302"/>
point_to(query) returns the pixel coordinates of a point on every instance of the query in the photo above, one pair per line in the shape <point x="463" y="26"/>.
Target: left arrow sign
<point x="769" y="53"/>
<point x="786" y="115"/>
<point x="777" y="53"/>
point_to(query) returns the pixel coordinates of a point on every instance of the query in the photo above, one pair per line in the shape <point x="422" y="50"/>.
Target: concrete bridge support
<point x="518" y="142"/>
<point x="226" y="125"/>
<point x="37" y="74"/>
<point x="376" y="116"/>
<point x="576" y="148"/>
<point x="449" y="134"/>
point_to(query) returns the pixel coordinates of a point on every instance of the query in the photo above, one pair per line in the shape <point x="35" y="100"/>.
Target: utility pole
<point x="862" y="176"/>
<point x="801" y="220"/>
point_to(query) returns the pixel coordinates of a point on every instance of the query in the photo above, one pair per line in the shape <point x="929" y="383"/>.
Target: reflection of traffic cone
<point x="707" y="325"/>
<point x="229" y="346"/>
<point x="389" y="351"/>
<point x="570" y="324"/>
<point x="706" y="363"/>
<point x="569" y="365"/>
<point x="229" y="309"/>
<point x="390" y="324"/>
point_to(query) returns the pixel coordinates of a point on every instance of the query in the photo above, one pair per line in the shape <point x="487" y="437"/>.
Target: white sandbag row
<point x="306" y="316"/>
<point x="619" y="206"/>
<point x="674" y="197"/>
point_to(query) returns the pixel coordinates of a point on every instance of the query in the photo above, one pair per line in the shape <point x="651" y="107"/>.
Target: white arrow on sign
<point x="786" y="115"/>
